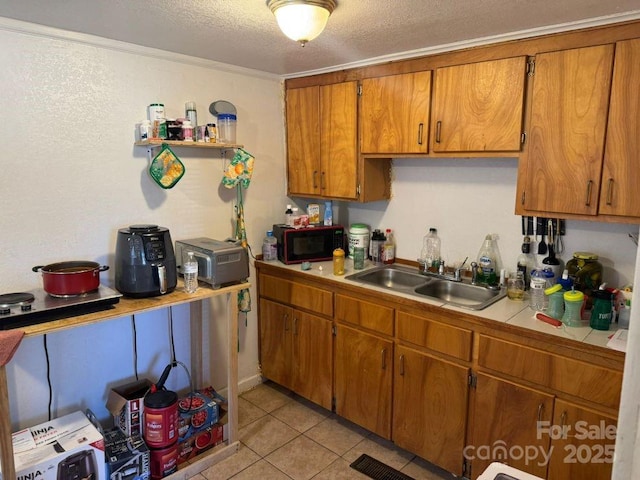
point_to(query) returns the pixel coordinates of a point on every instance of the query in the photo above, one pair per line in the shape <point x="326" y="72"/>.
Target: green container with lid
<point x="556" y="301"/>
<point x="573" y="303"/>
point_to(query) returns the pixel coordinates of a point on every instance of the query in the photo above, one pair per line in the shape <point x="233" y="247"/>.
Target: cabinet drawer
<point x="590" y="382"/>
<point x="364" y="314"/>
<point x="292" y="293"/>
<point x="434" y="335"/>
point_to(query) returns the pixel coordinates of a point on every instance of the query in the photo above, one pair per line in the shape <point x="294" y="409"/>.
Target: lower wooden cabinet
<point x="295" y="351"/>
<point x="439" y="387"/>
<point x="363" y="379"/>
<point x="582" y="443"/>
<point x="430" y="399"/>
<point x="505" y="423"/>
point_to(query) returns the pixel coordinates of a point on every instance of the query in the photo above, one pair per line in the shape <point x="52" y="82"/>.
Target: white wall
<point x="71" y="177"/>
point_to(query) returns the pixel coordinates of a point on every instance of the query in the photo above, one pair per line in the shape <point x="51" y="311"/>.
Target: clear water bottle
<point x="430" y="254"/>
<point x="537" y="299"/>
<point x="190" y="272"/>
<point x="269" y="247"/>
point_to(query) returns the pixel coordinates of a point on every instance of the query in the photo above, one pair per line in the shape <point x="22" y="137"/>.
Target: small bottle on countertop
<point x="389" y="248"/>
<point x="338" y="261"/>
<point x="269" y="247"/>
<point x="328" y="213"/>
<point x="526" y="261"/>
<point x="376" y="246"/>
<point x="288" y="216"/>
<point x="190" y="272"/>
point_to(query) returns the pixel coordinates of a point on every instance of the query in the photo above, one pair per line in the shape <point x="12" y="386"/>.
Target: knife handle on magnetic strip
<point x="547" y="319"/>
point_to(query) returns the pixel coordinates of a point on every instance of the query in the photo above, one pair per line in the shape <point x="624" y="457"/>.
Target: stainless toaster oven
<point x="220" y="263"/>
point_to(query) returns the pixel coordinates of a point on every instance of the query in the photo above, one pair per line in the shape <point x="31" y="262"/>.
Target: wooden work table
<point x="131" y="306"/>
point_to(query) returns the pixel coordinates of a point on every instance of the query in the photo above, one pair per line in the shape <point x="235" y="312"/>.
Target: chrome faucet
<point x="455" y="277"/>
<point x="474" y="273"/>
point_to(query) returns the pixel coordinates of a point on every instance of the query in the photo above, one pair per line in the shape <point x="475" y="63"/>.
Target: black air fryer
<point x="145" y="261"/>
<point x="79" y="466"/>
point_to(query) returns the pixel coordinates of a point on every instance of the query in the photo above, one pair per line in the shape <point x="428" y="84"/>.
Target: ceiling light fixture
<point x="302" y="20"/>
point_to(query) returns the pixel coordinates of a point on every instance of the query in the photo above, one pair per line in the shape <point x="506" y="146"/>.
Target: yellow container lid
<point x="574" y="296"/>
<point x="551" y="290"/>
<point x="585" y="255"/>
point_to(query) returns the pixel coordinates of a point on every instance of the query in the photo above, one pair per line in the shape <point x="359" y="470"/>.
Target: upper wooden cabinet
<point x="620" y="175"/>
<point x="322" y="148"/>
<point x="562" y="168"/>
<point x="303" y="140"/>
<point x="394" y="114"/>
<point x="322" y="140"/>
<point x="478" y="107"/>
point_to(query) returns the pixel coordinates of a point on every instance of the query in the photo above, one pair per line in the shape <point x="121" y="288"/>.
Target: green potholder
<point x="166" y="168"/>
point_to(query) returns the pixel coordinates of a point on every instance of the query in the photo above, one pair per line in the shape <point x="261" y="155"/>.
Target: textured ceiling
<point x="245" y="33"/>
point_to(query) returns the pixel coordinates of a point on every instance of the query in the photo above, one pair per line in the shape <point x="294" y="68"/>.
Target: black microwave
<point x="309" y="244"/>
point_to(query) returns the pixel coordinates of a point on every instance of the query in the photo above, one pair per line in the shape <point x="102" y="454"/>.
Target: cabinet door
<point x="363" y="376"/>
<point x="582" y="443"/>
<point x="312" y="358"/>
<point x="430" y="408"/>
<point x="566" y="135"/>
<point x="394" y="113"/>
<point x="303" y="140"/>
<point x="505" y="423"/>
<point x="620" y="176"/>
<point x="275" y="342"/>
<point x="338" y="140"/>
<point x="478" y="107"/>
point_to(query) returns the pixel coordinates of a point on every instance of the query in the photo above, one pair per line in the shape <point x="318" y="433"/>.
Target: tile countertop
<point x="507" y="311"/>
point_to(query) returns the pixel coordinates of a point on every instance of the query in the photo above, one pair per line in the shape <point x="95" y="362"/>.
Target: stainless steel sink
<point x="394" y="277"/>
<point x="409" y="281"/>
<point x="475" y="297"/>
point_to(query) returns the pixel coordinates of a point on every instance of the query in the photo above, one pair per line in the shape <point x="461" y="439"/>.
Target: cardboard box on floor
<point x="67" y="447"/>
<point x="127" y="457"/>
<point x="126" y="404"/>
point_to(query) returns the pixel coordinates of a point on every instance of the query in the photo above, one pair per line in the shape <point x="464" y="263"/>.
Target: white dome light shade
<point x="301" y="20"/>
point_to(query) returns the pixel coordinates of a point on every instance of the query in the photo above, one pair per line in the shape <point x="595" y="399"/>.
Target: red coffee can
<point x="164" y="461"/>
<point x="161" y="419"/>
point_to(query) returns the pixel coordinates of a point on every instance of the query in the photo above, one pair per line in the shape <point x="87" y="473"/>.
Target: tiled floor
<point x="284" y="437"/>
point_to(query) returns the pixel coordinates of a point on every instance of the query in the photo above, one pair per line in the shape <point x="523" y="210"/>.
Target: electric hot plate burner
<point x="29" y="308"/>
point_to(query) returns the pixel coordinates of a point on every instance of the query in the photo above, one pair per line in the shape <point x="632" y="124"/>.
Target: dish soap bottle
<point x="190" y="272"/>
<point x="488" y="261"/>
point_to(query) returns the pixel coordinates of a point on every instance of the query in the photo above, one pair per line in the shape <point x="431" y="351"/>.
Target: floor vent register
<point x="377" y="470"/>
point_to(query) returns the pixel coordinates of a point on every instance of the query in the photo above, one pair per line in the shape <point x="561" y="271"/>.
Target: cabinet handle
<point x="322" y="185"/>
<point x="295" y="326"/>
<point x="420" y="128"/>
<point x="610" y="191"/>
<point x="401" y="364"/>
<point x="563" y="418"/>
<point x="540" y="410"/>
<point x="286" y="317"/>
<point x="384" y="358"/>
<point x="315" y="179"/>
<point x="438" y="127"/>
<point x="589" y="185"/>
<point x="522" y="198"/>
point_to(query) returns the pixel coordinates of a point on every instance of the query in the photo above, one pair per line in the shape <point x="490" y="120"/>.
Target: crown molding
<point x="36" y="30"/>
<point x="478" y="42"/>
